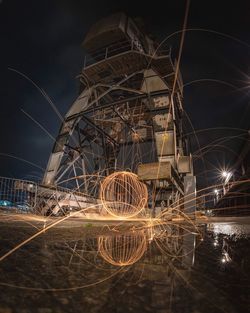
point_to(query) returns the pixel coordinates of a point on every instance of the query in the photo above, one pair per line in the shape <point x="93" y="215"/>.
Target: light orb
<point x="122" y="249"/>
<point x="123" y="195"/>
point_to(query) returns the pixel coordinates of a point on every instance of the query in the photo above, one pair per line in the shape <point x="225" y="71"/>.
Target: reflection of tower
<point x="168" y="270"/>
<point x="155" y="282"/>
<point x="126" y="117"/>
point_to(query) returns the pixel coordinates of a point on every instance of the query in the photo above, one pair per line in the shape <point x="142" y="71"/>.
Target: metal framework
<point x="124" y="117"/>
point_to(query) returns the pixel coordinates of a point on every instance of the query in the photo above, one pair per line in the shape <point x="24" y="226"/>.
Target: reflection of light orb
<point x="122" y="249"/>
<point x="123" y="195"/>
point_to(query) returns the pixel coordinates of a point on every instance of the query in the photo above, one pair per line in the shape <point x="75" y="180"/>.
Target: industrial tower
<point x="127" y="117"/>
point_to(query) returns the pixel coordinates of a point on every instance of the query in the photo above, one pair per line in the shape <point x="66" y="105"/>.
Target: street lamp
<point x="226" y="175"/>
<point x="216" y="193"/>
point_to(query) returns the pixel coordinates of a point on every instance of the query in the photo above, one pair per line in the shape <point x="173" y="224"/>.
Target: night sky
<point x="42" y="39"/>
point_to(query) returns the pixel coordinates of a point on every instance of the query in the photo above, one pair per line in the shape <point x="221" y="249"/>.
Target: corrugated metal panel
<point x="184" y="164"/>
<point x="80" y="104"/>
<point x="105" y="32"/>
<point x="152" y="82"/>
<point x="165" y="143"/>
<point x="153" y="171"/>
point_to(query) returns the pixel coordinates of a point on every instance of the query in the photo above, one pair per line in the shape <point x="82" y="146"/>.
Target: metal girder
<point x="128" y="99"/>
<point x="140" y="84"/>
<point x="100" y="130"/>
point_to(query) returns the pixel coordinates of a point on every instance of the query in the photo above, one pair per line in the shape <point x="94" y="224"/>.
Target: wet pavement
<point x="168" y="269"/>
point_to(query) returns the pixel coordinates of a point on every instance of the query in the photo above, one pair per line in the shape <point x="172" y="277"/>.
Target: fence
<point x="25" y="196"/>
<point x="17" y="194"/>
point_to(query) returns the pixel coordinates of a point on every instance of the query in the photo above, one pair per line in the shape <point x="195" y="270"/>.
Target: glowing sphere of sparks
<point x="123" y="195"/>
<point x="122" y="249"/>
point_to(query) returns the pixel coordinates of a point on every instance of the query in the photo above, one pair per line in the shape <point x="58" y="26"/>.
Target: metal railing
<point x="17" y="194"/>
<point x="117" y="48"/>
<point x="25" y="196"/>
<point x="111" y="50"/>
<point x="107" y="52"/>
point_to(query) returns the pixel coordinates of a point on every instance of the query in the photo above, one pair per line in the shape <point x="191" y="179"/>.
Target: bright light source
<point x="216" y="191"/>
<point x="226" y="256"/>
<point x="223" y="260"/>
<point x="224" y="174"/>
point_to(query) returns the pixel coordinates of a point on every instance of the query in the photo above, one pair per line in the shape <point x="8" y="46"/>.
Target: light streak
<point x="123" y="195"/>
<point x="123" y="249"/>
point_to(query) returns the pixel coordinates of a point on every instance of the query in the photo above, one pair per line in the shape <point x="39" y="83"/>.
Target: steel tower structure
<point x="126" y="117"/>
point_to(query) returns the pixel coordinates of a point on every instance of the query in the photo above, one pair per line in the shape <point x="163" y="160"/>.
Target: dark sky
<point x="42" y="39"/>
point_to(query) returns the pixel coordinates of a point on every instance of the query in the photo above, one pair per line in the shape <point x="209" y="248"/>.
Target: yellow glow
<point x="122" y="249"/>
<point x="123" y="195"/>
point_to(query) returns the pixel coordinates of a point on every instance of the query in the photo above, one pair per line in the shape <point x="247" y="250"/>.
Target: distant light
<point x="216" y="191"/>
<point x="227" y="175"/>
<point x="223" y="260"/>
<point x="215" y="243"/>
<point x="224" y="174"/>
<point x="226" y="257"/>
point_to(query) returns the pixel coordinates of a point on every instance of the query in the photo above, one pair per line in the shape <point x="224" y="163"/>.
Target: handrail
<point x="26" y="196"/>
<point x="116" y="48"/>
<point x="106" y="52"/>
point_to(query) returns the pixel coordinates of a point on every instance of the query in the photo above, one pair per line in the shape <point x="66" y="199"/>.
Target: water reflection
<point x="139" y="268"/>
<point x="230" y="229"/>
<point x="122" y="249"/>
